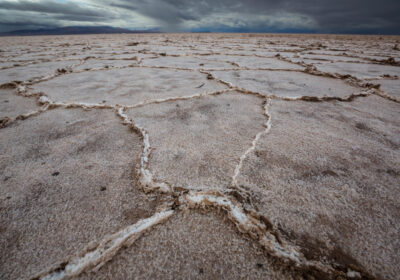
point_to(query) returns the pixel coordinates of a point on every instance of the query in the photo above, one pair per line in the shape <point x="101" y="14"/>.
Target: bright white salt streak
<point x="108" y="248"/>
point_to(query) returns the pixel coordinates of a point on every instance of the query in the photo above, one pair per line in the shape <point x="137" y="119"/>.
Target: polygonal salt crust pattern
<point x="313" y="188"/>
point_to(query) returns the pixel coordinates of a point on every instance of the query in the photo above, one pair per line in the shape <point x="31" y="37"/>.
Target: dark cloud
<point x="50" y="7"/>
<point x="162" y="11"/>
<point x="25" y="14"/>
<point x="329" y="16"/>
<point x="250" y="15"/>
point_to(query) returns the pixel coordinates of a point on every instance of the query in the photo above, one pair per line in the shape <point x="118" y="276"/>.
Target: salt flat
<point x="199" y="156"/>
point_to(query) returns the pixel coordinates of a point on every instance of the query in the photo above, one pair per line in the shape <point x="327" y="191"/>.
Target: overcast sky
<point x="327" y="16"/>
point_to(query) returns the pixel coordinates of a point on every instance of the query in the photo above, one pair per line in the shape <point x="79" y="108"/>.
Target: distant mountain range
<point x="73" y="30"/>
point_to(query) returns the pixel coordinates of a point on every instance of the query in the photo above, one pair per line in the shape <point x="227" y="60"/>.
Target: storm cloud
<point x="327" y="16"/>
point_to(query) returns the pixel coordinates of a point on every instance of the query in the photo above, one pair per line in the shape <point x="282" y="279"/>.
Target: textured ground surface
<point x="199" y="157"/>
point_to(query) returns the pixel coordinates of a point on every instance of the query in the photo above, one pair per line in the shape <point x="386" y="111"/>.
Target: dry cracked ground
<point x="200" y="156"/>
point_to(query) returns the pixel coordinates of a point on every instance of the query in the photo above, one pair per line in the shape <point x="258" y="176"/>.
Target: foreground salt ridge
<point x="94" y="258"/>
<point x="245" y="223"/>
<point x="252" y="225"/>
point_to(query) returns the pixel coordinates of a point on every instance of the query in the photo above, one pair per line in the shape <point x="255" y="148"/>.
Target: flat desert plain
<point x="200" y="156"/>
